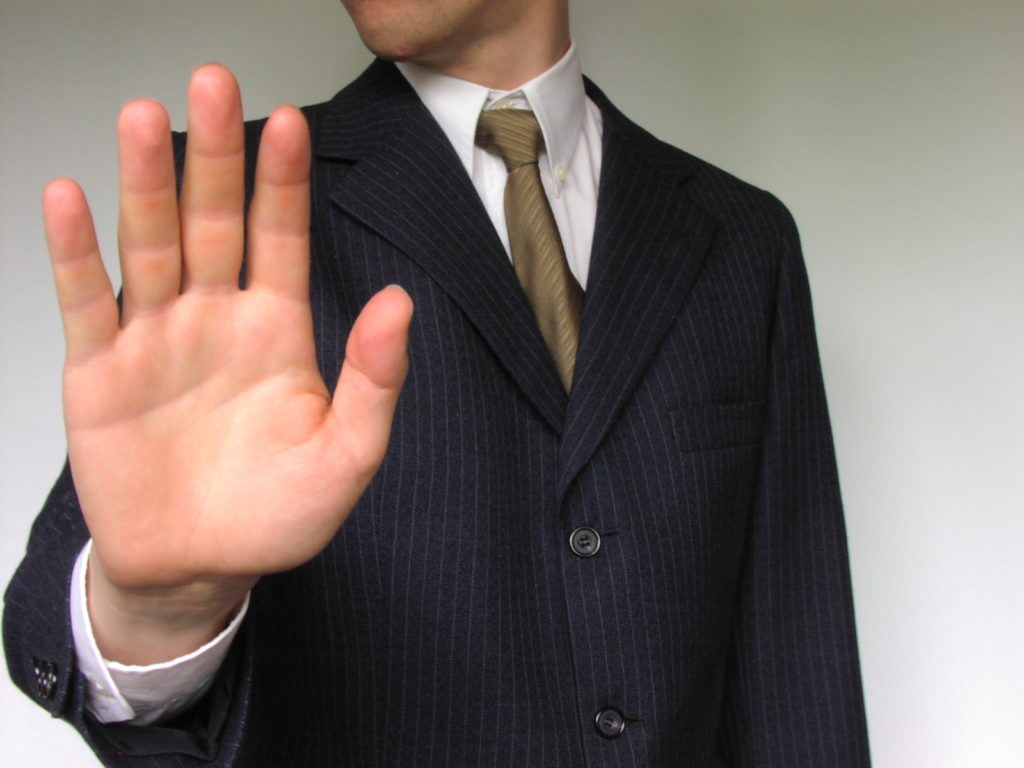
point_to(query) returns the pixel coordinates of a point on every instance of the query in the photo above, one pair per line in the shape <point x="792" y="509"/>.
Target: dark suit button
<point x="585" y="542"/>
<point x="610" y="723"/>
<point x="46" y="677"/>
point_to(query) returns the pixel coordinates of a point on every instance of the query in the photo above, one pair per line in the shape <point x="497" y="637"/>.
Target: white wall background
<point x="894" y="129"/>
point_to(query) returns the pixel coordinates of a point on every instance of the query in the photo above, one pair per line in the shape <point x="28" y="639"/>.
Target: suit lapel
<point x="397" y="174"/>
<point x="400" y="177"/>
<point x="649" y="243"/>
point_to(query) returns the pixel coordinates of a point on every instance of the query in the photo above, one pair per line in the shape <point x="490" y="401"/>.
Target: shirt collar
<point x="556" y="97"/>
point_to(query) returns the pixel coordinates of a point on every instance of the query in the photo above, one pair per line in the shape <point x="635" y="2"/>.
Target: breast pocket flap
<point x="701" y="427"/>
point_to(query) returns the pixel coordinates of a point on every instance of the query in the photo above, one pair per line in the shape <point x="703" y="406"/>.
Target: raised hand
<point x="205" y="447"/>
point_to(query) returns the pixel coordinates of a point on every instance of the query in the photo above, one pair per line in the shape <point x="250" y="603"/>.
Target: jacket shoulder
<point x="728" y="199"/>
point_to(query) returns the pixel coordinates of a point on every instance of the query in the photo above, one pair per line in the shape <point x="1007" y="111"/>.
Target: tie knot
<point x="514" y="134"/>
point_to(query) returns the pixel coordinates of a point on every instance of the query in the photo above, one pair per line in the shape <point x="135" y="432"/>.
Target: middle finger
<point x="213" y="191"/>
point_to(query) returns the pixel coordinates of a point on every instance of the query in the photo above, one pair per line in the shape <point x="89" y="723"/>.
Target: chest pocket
<point x="702" y="427"/>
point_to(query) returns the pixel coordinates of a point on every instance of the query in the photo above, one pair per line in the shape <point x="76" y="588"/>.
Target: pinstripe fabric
<point x="449" y="623"/>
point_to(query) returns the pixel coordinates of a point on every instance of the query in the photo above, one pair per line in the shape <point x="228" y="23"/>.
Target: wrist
<point x="142" y="626"/>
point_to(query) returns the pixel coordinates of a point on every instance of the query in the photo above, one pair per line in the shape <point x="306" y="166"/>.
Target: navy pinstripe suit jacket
<point x="449" y="623"/>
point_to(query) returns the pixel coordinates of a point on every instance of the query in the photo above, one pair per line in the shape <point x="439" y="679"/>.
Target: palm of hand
<point x="203" y="442"/>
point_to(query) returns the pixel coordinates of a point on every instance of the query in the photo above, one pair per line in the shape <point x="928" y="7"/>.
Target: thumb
<point x="376" y="362"/>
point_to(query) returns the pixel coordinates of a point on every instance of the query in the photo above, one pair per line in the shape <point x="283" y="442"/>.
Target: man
<point x="630" y="553"/>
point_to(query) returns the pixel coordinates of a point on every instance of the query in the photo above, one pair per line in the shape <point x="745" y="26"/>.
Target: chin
<point x="391" y="48"/>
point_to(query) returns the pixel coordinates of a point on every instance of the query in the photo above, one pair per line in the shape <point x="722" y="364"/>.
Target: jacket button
<point x="585" y="542"/>
<point x="46" y="677"/>
<point x="610" y="723"/>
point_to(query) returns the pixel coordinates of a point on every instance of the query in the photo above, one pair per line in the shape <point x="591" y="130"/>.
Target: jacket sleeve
<point x="793" y="692"/>
<point x="41" y="657"/>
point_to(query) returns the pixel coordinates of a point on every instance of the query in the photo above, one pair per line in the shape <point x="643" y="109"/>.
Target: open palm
<point x="205" y="447"/>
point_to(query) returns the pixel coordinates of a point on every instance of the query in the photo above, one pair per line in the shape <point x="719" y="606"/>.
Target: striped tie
<point x="537" y="254"/>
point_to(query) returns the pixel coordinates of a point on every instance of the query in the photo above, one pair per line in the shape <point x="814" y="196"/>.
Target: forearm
<point x="142" y="695"/>
<point x="43" y="660"/>
<point x="141" y="627"/>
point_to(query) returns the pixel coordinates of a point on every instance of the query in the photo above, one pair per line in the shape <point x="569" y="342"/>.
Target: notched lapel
<point x="649" y="244"/>
<point x="399" y="176"/>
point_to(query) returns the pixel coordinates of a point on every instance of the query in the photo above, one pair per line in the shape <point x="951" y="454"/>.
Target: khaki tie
<point x="537" y="253"/>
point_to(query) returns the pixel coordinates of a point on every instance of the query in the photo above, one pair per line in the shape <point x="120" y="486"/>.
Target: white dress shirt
<point x="570" y="169"/>
<point x="570" y="161"/>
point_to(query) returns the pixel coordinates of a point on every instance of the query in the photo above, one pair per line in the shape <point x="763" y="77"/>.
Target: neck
<point x="513" y="55"/>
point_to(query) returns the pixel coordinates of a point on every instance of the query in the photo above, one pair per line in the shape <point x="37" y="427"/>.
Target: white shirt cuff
<point x="135" y="694"/>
